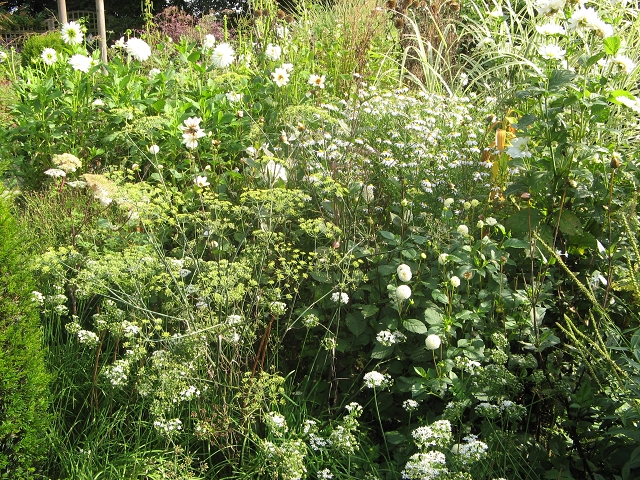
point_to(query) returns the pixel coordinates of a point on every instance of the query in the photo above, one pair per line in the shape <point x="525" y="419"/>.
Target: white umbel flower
<point x="138" y="49"/>
<point x="223" y="55"/>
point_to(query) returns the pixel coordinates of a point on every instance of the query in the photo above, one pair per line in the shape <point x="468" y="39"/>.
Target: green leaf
<point x="560" y="78"/>
<point x="438" y="296"/>
<point x="389" y="237"/>
<point x="611" y="45"/>
<point x="396" y="219"/>
<point x="369" y="310"/>
<point x="395" y="437"/>
<point x="595" y="59"/>
<point x="515" y="243"/>
<point x="194" y="56"/>
<point x="432" y="316"/>
<point x="380" y="351"/>
<point x="421" y="371"/>
<point x="520" y="222"/>
<point x="356" y="325"/>
<point x="415" y="326"/>
<point x="570" y="223"/>
<point x="613" y="96"/>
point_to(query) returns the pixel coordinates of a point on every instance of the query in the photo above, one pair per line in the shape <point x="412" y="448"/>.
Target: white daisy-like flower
<point x="403" y="292"/>
<point x="317" y="81"/>
<point x="201" y="181"/>
<point x="550" y="29"/>
<point x="138" y="49"/>
<point x="274" y="171"/>
<point x="191" y="132"/>
<point x="72" y="33"/>
<point x="82" y="63"/>
<point x="549" y="7"/>
<point x="454" y="281"/>
<point x="154" y="72"/>
<point x="288" y="67"/>
<point x="120" y="43"/>
<point x="209" y="42"/>
<point x="49" y="56"/>
<point x="632" y="103"/>
<point x="432" y="342"/>
<point x="280" y="77"/>
<point x="223" y="55"/>
<point x="625" y="63"/>
<point x="273" y="52"/>
<point x="551" y="52"/>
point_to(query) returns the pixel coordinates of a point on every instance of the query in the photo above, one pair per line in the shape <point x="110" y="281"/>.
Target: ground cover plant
<point x="363" y="240"/>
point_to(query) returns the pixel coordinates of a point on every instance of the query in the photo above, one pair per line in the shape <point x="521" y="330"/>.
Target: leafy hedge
<point x="24" y="382"/>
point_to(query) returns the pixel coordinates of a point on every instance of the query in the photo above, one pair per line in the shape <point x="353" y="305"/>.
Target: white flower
<point x="37" y="297"/>
<point x="191" y="132"/>
<point x="120" y="43"/>
<point x="340" y="297"/>
<point x="376" y="379"/>
<point x="273" y="52"/>
<point x="274" y="171"/>
<point x="280" y="77"/>
<point x="325" y="474"/>
<point x="201" y="181"/>
<point x="55" y="172"/>
<point x="448" y="202"/>
<point x="153" y="72"/>
<point x="49" y="56"/>
<point x="410" y="405"/>
<point x="288" y="67"/>
<point x="368" y="193"/>
<point x="317" y="81"/>
<point x="209" y="42"/>
<point x="67" y="162"/>
<point x="551" y="29"/>
<point x="403" y="292"/>
<point x="72" y="33"/>
<point x="632" y="103"/>
<point x="625" y="63"/>
<point x="491" y="221"/>
<point x="426" y="466"/>
<point x="3" y="56"/>
<point x="480" y="224"/>
<point x="463" y="230"/>
<point x="552" y="52"/>
<point x="432" y="342"/>
<point x="549" y="7"/>
<point x="223" y="55"/>
<point x="233" y="97"/>
<point x="442" y="258"/>
<point x="518" y="148"/>
<point x="138" y="49"/>
<point x="87" y="337"/>
<point x="81" y="62"/>
<point x="404" y="273"/>
<point x="154" y="149"/>
<point x="98" y="102"/>
<point x="454" y="281"/>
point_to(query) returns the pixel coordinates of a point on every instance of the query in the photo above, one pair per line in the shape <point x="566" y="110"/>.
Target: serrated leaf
<point x="432" y="316"/>
<point x="356" y="325"/>
<point x="369" y="310"/>
<point x="440" y="297"/>
<point x="560" y="78"/>
<point x="381" y="351"/>
<point x="415" y="326"/>
<point x="570" y="223"/>
<point x="611" y="45"/>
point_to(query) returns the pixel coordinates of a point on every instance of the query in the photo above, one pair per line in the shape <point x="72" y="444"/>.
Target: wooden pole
<point x="102" y="30"/>
<point x="62" y="11"/>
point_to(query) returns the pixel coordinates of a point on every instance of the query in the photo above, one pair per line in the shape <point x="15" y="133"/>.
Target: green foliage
<point x="34" y="45"/>
<point x="24" y="387"/>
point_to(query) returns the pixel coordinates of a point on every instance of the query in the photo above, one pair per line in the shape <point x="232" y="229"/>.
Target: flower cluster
<point x="377" y="380"/>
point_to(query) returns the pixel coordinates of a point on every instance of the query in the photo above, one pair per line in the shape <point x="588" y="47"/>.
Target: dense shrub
<point x="35" y="44"/>
<point x="24" y="382"/>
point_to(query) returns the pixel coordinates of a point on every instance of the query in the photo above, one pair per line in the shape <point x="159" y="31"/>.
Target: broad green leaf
<point x="356" y="325"/>
<point x="515" y="243"/>
<point x="369" y="310"/>
<point x="395" y="437"/>
<point x="421" y="371"/>
<point x="611" y="45"/>
<point x="380" y="351"/>
<point x="560" y="78"/>
<point x="415" y="326"/>
<point x="432" y="316"/>
<point x="521" y="222"/>
<point x="194" y="56"/>
<point x="570" y="223"/>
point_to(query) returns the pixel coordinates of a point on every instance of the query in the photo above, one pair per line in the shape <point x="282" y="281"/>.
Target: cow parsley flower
<point x="425" y="466"/>
<point x="138" y="49"/>
<point x="72" y="33"/>
<point x="340" y="297"/>
<point x="67" y="162"/>
<point x="223" y="55"/>
<point x="377" y="380"/>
